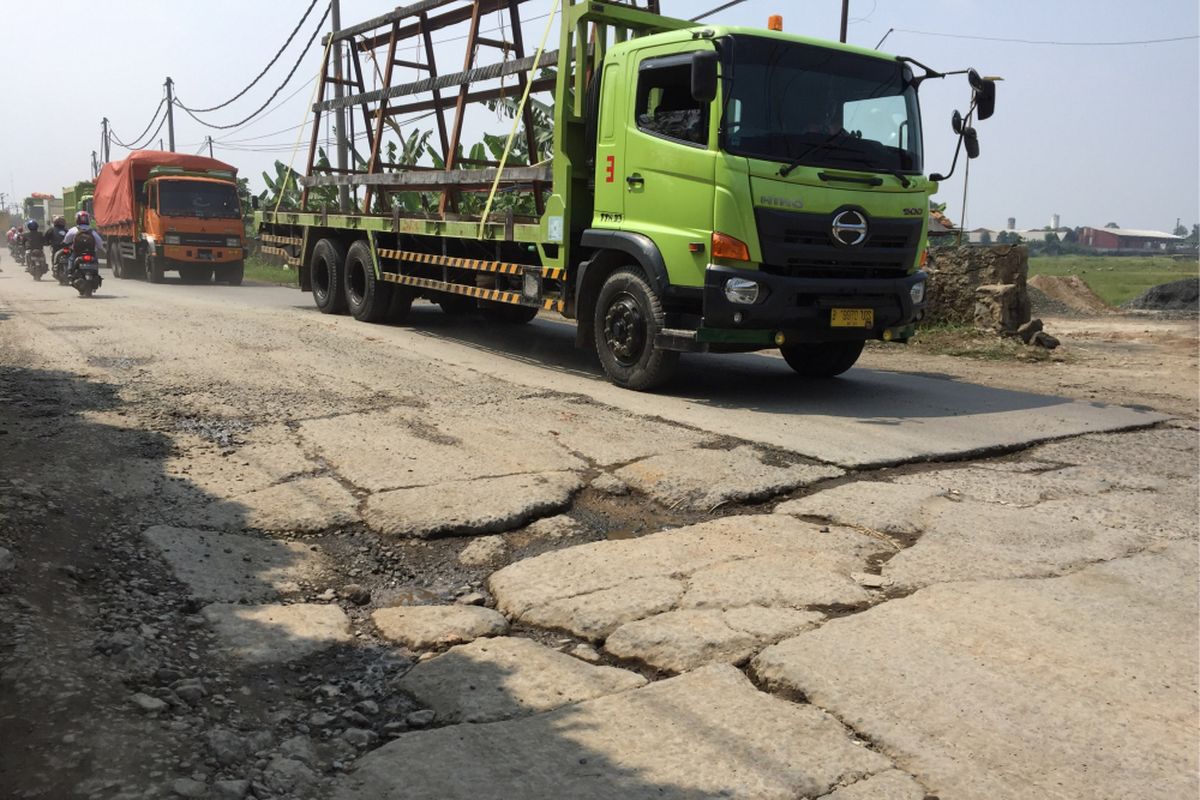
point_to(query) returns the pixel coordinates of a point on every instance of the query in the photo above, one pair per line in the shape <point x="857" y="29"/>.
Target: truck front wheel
<point x="328" y="261"/>
<point x="367" y="297"/>
<point x="234" y="275"/>
<point x="154" y="269"/>
<point x="821" y="359"/>
<point x="627" y="318"/>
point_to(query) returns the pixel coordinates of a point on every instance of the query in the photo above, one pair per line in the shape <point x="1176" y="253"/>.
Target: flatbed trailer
<point x="686" y="207"/>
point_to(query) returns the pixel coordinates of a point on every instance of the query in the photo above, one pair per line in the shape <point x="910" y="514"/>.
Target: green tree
<point x="1111" y="225"/>
<point x="1180" y="229"/>
<point x="985" y="237"/>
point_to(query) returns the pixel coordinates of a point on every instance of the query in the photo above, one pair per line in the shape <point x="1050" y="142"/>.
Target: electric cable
<point x="274" y="94"/>
<point x="258" y="77"/>
<point x="149" y="141"/>
<point x="1189" y="37"/>
<point x="723" y="7"/>
<point x="112" y="134"/>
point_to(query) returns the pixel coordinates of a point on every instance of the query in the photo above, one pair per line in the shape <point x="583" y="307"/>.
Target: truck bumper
<point x="800" y="309"/>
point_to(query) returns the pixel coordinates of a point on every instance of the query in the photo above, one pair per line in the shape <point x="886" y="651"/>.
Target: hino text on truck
<point x="707" y="188"/>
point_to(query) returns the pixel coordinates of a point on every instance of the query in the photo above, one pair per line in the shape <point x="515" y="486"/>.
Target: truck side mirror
<point x="956" y="121"/>
<point x="971" y="142"/>
<point x="704" y="76"/>
<point x="985" y="94"/>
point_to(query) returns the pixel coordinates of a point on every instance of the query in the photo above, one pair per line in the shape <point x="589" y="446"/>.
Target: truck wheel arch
<point x="613" y="250"/>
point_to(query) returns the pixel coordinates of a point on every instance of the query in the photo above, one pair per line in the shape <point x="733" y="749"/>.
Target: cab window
<point x="664" y="101"/>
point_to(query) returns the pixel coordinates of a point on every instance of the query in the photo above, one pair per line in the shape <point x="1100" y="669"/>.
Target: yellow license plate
<point x="852" y="318"/>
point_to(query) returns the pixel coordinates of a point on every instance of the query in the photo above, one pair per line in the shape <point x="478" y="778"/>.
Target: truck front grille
<point x="204" y="239"/>
<point x="801" y="245"/>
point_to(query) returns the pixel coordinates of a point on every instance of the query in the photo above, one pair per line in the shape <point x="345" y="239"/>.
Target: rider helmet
<point x="31" y="225"/>
<point x="82" y="218"/>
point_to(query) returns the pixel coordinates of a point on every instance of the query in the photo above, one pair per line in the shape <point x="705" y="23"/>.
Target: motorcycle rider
<point x="55" y="236"/>
<point x="82" y="240"/>
<point x="34" y="238"/>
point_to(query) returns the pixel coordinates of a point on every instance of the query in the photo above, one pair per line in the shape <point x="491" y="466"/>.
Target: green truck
<point x="76" y="198"/>
<point x="711" y="188"/>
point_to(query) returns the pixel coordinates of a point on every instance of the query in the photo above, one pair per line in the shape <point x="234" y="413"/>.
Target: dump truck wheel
<point x="113" y="255"/>
<point x="367" y="297"/>
<point x="234" y="275"/>
<point x="328" y="261"/>
<point x="507" y="313"/>
<point x="821" y="359"/>
<point x="627" y="317"/>
<point x="457" y="305"/>
<point x="154" y="270"/>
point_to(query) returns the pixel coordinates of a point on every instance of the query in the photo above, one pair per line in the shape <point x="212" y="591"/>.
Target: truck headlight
<point x="741" y="291"/>
<point x="171" y="239"/>
<point x="233" y="241"/>
<point x="917" y="293"/>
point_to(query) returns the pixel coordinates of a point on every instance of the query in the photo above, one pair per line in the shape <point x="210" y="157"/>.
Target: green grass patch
<point x="260" y="271"/>
<point x="964" y="341"/>
<point x="1116" y="279"/>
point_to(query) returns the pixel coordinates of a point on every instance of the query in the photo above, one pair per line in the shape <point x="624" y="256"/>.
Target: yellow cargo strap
<point x="487" y="209"/>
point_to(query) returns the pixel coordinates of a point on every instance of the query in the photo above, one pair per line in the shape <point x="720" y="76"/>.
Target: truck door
<point x="670" y="164"/>
<point x="610" y="136"/>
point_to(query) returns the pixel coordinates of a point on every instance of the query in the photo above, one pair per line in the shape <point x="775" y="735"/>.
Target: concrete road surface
<point x="247" y="549"/>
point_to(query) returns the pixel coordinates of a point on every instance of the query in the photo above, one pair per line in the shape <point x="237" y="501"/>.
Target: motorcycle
<point x="17" y="250"/>
<point x="62" y="261"/>
<point x="85" y="277"/>
<point x="35" y="263"/>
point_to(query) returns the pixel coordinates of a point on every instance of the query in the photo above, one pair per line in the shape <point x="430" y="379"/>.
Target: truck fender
<point x="612" y="250"/>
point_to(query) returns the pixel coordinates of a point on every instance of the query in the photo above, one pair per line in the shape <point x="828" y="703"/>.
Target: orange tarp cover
<point x="113" y="200"/>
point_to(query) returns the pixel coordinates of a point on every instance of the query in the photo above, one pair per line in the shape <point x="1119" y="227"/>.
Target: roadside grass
<point x="965" y="341"/>
<point x="259" y="270"/>
<point x="1116" y="279"/>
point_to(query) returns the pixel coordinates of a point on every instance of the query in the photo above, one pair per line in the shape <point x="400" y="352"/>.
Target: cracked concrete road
<point x="885" y="586"/>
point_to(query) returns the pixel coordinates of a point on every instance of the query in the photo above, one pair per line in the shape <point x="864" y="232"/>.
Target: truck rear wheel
<point x="457" y="305"/>
<point x="235" y="274"/>
<point x="627" y="318"/>
<point x="507" y="313"/>
<point x="367" y="297"/>
<point x="821" y="359"/>
<point x="113" y="255"/>
<point x="328" y="261"/>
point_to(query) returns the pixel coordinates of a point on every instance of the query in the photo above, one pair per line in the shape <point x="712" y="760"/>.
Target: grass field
<point x="1116" y="279"/>
<point x="262" y="272"/>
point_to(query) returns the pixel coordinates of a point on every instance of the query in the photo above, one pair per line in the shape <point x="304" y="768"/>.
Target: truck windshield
<point x="198" y="199"/>
<point x="792" y="102"/>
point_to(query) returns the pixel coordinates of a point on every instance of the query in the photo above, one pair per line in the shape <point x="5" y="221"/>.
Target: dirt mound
<point x="1043" y="305"/>
<point x="1183" y="295"/>
<point x="1071" y="292"/>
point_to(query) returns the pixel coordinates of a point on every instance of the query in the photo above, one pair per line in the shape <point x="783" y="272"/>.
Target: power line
<point x="138" y="138"/>
<point x="270" y="64"/>
<point x="710" y="12"/>
<point x="149" y="141"/>
<point x="274" y="94"/>
<point x="1050" y="42"/>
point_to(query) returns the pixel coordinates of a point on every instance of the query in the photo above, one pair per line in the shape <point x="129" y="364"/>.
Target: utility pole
<point x="343" y="189"/>
<point x="104" y="139"/>
<point x="209" y="139"/>
<point x="845" y="19"/>
<point x="170" y="114"/>
<point x="95" y="167"/>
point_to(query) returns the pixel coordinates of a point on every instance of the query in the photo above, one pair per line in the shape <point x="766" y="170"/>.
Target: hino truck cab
<point x="768" y="190"/>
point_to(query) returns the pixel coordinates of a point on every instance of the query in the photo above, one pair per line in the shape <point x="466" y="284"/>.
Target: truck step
<point x="479" y="265"/>
<point x="478" y="292"/>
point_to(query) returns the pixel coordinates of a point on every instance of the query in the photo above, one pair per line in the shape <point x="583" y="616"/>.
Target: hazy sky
<point x="1096" y="134"/>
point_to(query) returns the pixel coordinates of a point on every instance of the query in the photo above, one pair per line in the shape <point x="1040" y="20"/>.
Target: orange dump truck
<point x="168" y="211"/>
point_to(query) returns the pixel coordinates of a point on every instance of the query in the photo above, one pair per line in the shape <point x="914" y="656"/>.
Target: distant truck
<point x="77" y="198"/>
<point x="42" y="207"/>
<point x="162" y="211"/>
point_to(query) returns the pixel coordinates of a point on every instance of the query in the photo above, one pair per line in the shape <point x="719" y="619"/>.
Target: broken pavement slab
<point x="423" y="627"/>
<point x="308" y="505"/>
<point x="685" y="639"/>
<point x="594" y="589"/>
<point x="1075" y="687"/>
<point x="506" y="677"/>
<point x="482" y="505"/>
<point x="229" y="567"/>
<point x="709" y="733"/>
<point x="398" y="448"/>
<point x="276" y="633"/>
<point x="702" y="479"/>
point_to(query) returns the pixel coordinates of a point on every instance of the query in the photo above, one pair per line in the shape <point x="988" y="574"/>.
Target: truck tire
<point x="368" y="298"/>
<point x="235" y="275"/>
<point x="400" y="305"/>
<point x="114" y="260"/>
<point x="457" y="305"/>
<point x="328" y="262"/>
<point x="154" y="269"/>
<point x="626" y="319"/>
<point x="821" y="359"/>
<point x="507" y="313"/>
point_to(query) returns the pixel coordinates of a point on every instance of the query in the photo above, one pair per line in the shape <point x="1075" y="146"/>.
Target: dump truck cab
<point x="194" y="219"/>
<point x="783" y="204"/>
